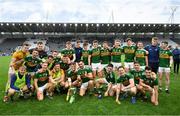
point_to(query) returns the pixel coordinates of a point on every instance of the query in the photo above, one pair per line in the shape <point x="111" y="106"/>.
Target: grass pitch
<point x="168" y="103"/>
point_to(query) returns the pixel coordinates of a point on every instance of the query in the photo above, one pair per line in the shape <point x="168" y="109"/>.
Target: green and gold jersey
<point x="116" y="54"/>
<point x="81" y="72"/>
<point x="84" y="57"/>
<point x="137" y="75"/>
<point x="95" y="55"/>
<point x="43" y="78"/>
<point x="68" y="52"/>
<point x="140" y="55"/>
<point x="110" y="77"/>
<point x="56" y="60"/>
<point x="64" y="66"/>
<point x="124" y="79"/>
<point x="105" y="56"/>
<point x="129" y="52"/>
<point x="164" y="58"/>
<point x="71" y="74"/>
<point x="149" y="81"/>
<point x="31" y="63"/>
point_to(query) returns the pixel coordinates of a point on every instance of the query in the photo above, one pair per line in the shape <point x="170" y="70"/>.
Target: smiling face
<point x="81" y="64"/>
<point x="22" y="70"/>
<point x="121" y="71"/>
<point x="44" y="66"/>
<point x="137" y="66"/>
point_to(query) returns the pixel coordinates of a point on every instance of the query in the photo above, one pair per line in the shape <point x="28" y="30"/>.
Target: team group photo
<point x="56" y="68"/>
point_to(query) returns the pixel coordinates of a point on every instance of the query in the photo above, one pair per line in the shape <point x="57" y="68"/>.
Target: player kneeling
<point x="72" y="83"/>
<point x="57" y="75"/>
<point x="149" y="82"/>
<point x="20" y="83"/>
<point x="109" y="79"/>
<point x="42" y="81"/>
<point x="85" y="75"/>
<point x="125" y="83"/>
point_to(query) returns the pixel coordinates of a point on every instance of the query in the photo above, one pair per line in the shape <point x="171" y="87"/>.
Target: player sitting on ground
<point x="17" y="60"/>
<point x="109" y="79"/>
<point x="125" y="83"/>
<point x="85" y="75"/>
<point x="137" y="72"/>
<point x="149" y="82"/>
<point x="58" y="77"/>
<point x="20" y="82"/>
<point x="72" y="83"/>
<point x="42" y="81"/>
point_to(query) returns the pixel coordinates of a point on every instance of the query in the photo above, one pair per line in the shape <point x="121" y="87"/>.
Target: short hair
<point x="148" y="68"/>
<point x="85" y="44"/>
<point x="78" y="41"/>
<point x="40" y="43"/>
<point x="128" y="39"/>
<point x="72" y="63"/>
<point x="121" y="67"/>
<point x="81" y="61"/>
<point x="95" y="41"/>
<point x="54" y="51"/>
<point x="50" y="56"/>
<point x="22" y="67"/>
<point x="140" y="42"/>
<point x="35" y="50"/>
<point x="105" y="42"/>
<point x="136" y="62"/>
<point x="26" y="44"/>
<point x="110" y="65"/>
<point x="68" y="42"/>
<point x="165" y="42"/>
<point x="117" y="40"/>
<point x="155" y="38"/>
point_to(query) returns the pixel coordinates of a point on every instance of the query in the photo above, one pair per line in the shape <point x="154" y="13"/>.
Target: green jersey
<point x="110" y="77"/>
<point x="149" y="81"/>
<point x="129" y="52"/>
<point x="64" y="66"/>
<point x="68" y="52"/>
<point x="56" y="60"/>
<point x="137" y="75"/>
<point x="71" y="74"/>
<point x="31" y="63"/>
<point x="116" y="54"/>
<point x="124" y="79"/>
<point x="95" y="55"/>
<point x="164" y="58"/>
<point x="84" y="57"/>
<point x="81" y="73"/>
<point x="43" y="78"/>
<point x="105" y="56"/>
<point x="140" y="55"/>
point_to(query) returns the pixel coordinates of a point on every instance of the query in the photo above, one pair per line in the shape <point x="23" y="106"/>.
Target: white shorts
<point x="41" y="89"/>
<point x="164" y="69"/>
<point x="87" y="66"/>
<point x="96" y="66"/>
<point x="129" y="65"/>
<point x="84" y="85"/>
<point x="116" y="64"/>
<point x="103" y="65"/>
<point x="142" y="67"/>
